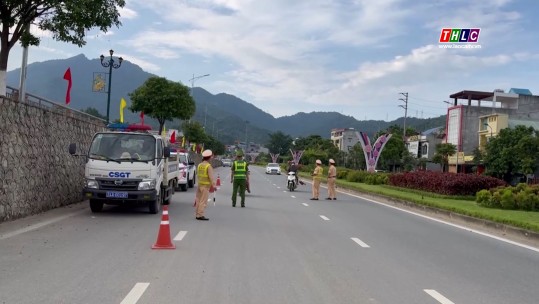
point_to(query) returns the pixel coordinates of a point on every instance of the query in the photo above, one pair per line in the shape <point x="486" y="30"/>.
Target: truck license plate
<point x="116" y="194"/>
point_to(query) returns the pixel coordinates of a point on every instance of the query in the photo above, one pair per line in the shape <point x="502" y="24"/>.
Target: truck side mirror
<point x="167" y="152"/>
<point x="72" y="148"/>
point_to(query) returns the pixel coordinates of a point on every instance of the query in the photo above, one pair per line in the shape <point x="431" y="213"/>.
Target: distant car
<point x="226" y="162"/>
<point x="273" y="168"/>
<point x="187" y="171"/>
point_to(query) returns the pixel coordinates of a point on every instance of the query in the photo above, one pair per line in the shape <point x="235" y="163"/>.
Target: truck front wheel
<point x="191" y="182"/>
<point x="95" y="205"/>
<point x="155" y="205"/>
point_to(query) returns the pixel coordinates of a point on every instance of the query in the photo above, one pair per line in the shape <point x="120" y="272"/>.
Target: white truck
<point x="187" y="175"/>
<point x="129" y="167"/>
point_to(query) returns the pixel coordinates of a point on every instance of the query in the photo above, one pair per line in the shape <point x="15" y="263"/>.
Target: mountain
<point x="224" y="116"/>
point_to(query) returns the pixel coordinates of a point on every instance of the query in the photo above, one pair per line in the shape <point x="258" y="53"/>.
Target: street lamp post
<point x="110" y="64"/>
<point x="191" y="92"/>
<point x="246" y="123"/>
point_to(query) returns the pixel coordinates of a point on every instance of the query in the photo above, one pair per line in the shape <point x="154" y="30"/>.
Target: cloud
<point x="127" y="13"/>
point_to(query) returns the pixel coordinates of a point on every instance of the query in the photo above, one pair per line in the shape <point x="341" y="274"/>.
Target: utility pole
<point x="405" y="107"/>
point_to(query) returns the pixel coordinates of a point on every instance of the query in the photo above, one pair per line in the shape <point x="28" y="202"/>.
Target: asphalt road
<point x="281" y="248"/>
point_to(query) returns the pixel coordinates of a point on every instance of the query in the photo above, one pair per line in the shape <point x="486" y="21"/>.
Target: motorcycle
<point x="292" y="182"/>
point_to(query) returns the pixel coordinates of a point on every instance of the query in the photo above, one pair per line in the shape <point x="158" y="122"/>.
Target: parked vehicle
<point x="187" y="168"/>
<point x="273" y="168"/>
<point x="292" y="181"/>
<point x="226" y="162"/>
<point x="129" y="166"/>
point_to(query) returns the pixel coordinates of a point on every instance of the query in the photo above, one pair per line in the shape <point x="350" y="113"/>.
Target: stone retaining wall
<point x="37" y="173"/>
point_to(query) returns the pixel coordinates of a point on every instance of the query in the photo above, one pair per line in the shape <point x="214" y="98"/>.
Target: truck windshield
<point x="123" y="146"/>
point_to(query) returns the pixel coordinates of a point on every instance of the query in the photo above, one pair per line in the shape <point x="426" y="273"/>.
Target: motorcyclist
<point x="292" y="167"/>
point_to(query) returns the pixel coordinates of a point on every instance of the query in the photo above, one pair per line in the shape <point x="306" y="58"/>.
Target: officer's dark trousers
<point x="238" y="184"/>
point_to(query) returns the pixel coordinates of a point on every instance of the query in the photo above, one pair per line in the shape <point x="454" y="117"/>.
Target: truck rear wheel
<point x="95" y="205"/>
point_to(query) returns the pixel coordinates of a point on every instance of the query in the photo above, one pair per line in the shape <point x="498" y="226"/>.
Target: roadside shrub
<point x="342" y="174"/>
<point x="444" y="183"/>
<point x="484" y="198"/>
<point x="526" y="200"/>
<point x="496" y="200"/>
<point x="377" y="179"/>
<point x="354" y="177"/>
<point x="521" y="197"/>
<point x="507" y="199"/>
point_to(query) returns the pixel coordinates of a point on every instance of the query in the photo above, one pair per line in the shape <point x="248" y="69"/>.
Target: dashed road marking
<point x="134" y="295"/>
<point x="324" y="218"/>
<point x="438" y="297"/>
<point x="180" y="235"/>
<point x="305" y="204"/>
<point x="360" y="242"/>
<point x="292" y="196"/>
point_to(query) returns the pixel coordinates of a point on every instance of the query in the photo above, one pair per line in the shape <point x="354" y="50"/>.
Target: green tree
<point x="68" y="21"/>
<point x="163" y="100"/>
<point x="477" y="158"/>
<point x="279" y="143"/>
<point x="409" y="161"/>
<point x="514" y="150"/>
<point x="94" y="112"/>
<point x="217" y="147"/>
<point x="357" y="158"/>
<point x="315" y="147"/>
<point x="443" y="151"/>
<point x="194" y="132"/>
<point x="394" y="149"/>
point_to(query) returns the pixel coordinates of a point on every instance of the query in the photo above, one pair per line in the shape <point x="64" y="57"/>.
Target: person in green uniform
<point x="238" y="177"/>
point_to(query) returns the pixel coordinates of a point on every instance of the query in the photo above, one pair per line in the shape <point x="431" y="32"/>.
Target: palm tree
<point x="443" y="151"/>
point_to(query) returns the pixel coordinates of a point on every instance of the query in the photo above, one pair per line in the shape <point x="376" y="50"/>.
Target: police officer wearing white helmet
<point x="205" y="182"/>
<point x="332" y="176"/>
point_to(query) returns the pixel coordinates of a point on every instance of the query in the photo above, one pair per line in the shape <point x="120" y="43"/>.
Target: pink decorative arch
<point x="372" y="153"/>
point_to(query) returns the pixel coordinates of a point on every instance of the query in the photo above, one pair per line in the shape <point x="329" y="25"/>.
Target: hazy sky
<point x="349" y="56"/>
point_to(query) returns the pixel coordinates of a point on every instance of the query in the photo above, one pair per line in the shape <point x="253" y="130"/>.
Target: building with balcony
<point x="481" y="116"/>
<point x="423" y="146"/>
<point x="344" y="139"/>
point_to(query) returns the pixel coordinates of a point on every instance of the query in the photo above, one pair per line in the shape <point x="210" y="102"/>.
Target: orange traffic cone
<point x="218" y="183"/>
<point x="163" y="237"/>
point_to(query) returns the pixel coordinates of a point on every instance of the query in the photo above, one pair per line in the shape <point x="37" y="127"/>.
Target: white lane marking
<point x="360" y="243"/>
<point x="324" y="218"/>
<point x="134" y="295"/>
<point x="180" y="235"/>
<point x="292" y="196"/>
<point x="284" y="191"/>
<point x="275" y="185"/>
<point x="436" y="295"/>
<point x="450" y="224"/>
<point x="305" y="204"/>
<point x="279" y="188"/>
<point x="39" y="225"/>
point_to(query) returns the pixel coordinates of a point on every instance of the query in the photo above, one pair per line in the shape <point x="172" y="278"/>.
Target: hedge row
<point x="444" y="183"/>
<point x="521" y="197"/>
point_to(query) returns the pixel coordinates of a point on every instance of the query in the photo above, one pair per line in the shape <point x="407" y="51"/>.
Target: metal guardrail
<point x="45" y="104"/>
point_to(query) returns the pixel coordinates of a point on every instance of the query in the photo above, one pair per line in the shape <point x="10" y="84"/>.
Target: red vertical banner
<point x="67" y="76"/>
<point x="173" y="137"/>
<point x="142" y="118"/>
